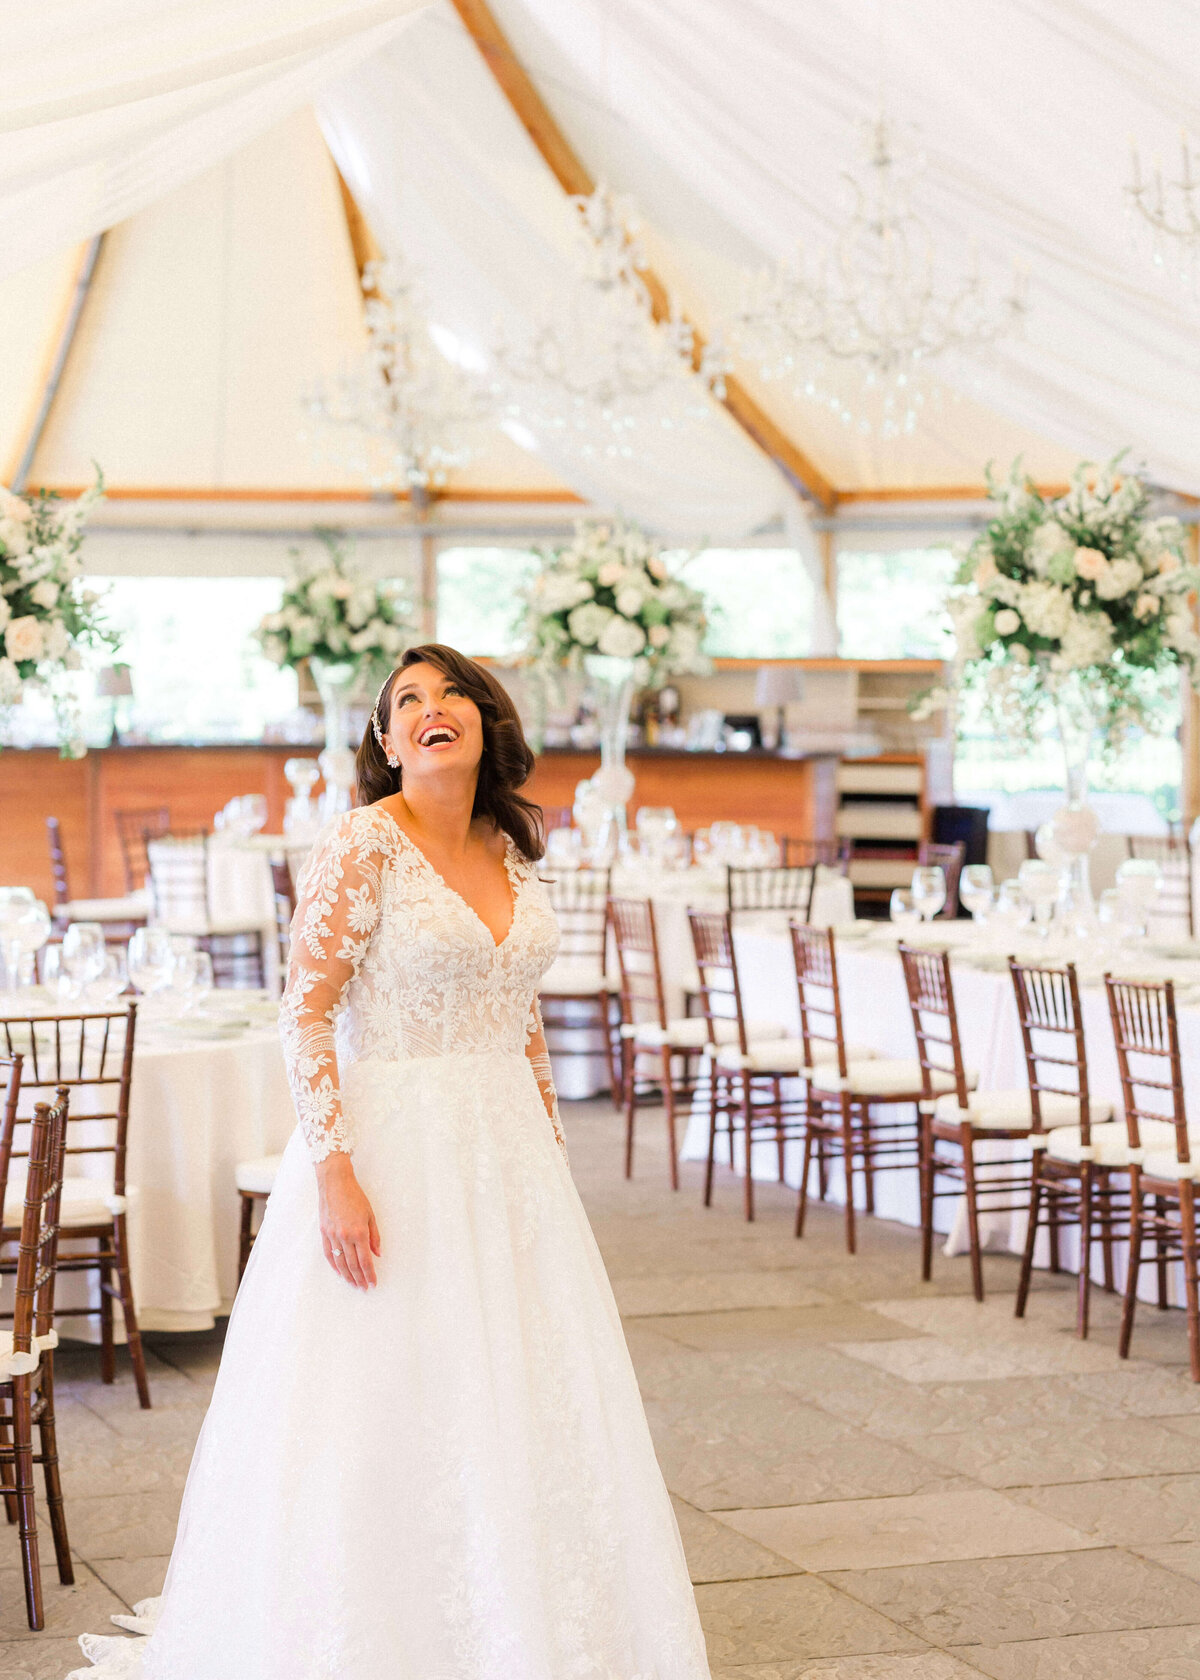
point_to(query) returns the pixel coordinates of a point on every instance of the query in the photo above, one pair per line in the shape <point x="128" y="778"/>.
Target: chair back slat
<point x="790" y="887"/>
<point x="579" y="899"/>
<point x="178" y="866"/>
<point x="1051" y="1018"/>
<point x="639" y="970"/>
<point x="717" y="970"/>
<point x="58" y="861"/>
<point x="134" y="829"/>
<point x="1146" y="1035"/>
<point x="284" y="890"/>
<point x="37" y="1253"/>
<point x="949" y="857"/>
<point x="814" y="954"/>
<point x="1173" y="854"/>
<point x="934" y="1017"/>
<point x="238" y="959"/>
<point x="92" y="1053"/>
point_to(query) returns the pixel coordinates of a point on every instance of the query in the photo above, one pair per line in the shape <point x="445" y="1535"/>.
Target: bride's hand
<point x="349" y="1234"/>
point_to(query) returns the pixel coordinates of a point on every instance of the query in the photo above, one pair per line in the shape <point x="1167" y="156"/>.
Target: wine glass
<point x="977" y="890"/>
<point x="83" y="954"/>
<point x="1138" y="884"/>
<point x="1040" y="883"/>
<point x="151" y="960"/>
<point x="929" y="890"/>
<point x="1012" y="910"/>
<point x="903" y="910"/>
<point x="113" y="976"/>
<point x="24" y="929"/>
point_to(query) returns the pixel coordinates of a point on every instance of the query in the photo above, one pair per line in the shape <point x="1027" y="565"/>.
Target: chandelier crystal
<point x="1169" y="210"/>
<point x="404" y="393"/>
<point x="871" y="302"/>
<point x="601" y="365"/>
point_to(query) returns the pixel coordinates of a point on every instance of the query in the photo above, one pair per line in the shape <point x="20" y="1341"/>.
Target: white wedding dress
<point x="448" y="1477"/>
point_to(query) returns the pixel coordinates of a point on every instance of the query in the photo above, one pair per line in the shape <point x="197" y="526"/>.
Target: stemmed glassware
<point x="1138" y="884"/>
<point x="1041" y="883"/>
<point x="977" y="891"/>
<point x="83" y="954"/>
<point x="929" y="890"/>
<point x="24" y="929"/>
<point x="151" y="960"/>
<point x="904" y="911"/>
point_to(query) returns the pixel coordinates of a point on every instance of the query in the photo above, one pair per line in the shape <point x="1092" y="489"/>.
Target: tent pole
<point x="58" y="364"/>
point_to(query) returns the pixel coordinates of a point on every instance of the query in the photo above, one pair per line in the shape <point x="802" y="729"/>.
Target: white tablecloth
<point x="876" y="1013"/>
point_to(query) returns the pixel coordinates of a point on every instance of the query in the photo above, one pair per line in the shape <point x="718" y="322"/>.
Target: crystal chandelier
<point x="601" y="364"/>
<point x="405" y="393"/>
<point x="1168" y="209"/>
<point x="872" y="302"/>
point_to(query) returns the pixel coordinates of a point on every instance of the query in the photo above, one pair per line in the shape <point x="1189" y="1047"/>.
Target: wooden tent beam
<point x="18" y="478"/>
<point x="568" y="169"/>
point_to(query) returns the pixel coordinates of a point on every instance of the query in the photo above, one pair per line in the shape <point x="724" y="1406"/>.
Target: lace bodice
<point x="389" y="962"/>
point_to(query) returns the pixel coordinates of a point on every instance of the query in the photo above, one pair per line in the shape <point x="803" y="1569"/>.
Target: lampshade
<point x="778" y="685"/>
<point x="114" y="682"/>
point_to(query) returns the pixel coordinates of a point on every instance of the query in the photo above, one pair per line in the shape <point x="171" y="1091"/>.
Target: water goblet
<point x="1138" y="884"/>
<point x="977" y="890"/>
<point x="151" y="960"/>
<point x="1040" y="883"/>
<point x="929" y="890"/>
<point x="83" y="954"/>
<point x="904" y="912"/>
<point x="113" y="977"/>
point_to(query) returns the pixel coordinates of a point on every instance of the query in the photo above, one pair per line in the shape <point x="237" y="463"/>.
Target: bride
<point x="426" y="1457"/>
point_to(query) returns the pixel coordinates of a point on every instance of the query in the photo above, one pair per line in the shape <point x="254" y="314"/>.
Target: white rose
<point x="1168" y="562"/>
<point x="621" y="639"/>
<point x="986" y="570"/>
<point x="657" y="567"/>
<point x="24" y="639"/>
<point x="44" y="594"/>
<point x="659" y="635"/>
<point x="360" y="605"/>
<point x="586" y="622"/>
<point x="1090" y="563"/>
<point x="341" y="589"/>
<point x="1121" y="578"/>
<point x="1145" y="606"/>
<point x="1020" y="653"/>
<point x="1045" y="608"/>
<point x="630" y="599"/>
<point x="13" y="537"/>
<point x="10" y="681"/>
<point x="612" y="571"/>
<point x="14" y="508"/>
<point x="1007" y="622"/>
<point x="1048" y="540"/>
<point x="58" y="642"/>
<point x="5" y="611"/>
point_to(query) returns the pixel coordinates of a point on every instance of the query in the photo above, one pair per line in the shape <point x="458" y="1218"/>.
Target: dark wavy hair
<point x="507" y="761"/>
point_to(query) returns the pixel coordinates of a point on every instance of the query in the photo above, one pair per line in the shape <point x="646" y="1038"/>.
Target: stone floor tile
<point x="924" y="1528"/>
<point x="1034" y="1454"/>
<point x="995" y="1600"/>
<point x="797" y="1616"/>
<point x="765" y="1327"/>
<point x="706" y="1292"/>
<point x="1182" y="1557"/>
<point x="133" y="1579"/>
<point x="1133" y="1511"/>
<point x="925" y="1665"/>
<point x="927" y="1359"/>
<point x="1149" y="1654"/>
<point x="123" y="1525"/>
<point x="1141" y="1390"/>
<point x="716" y="1553"/>
<point x="89" y="1603"/>
<point x="45" y="1657"/>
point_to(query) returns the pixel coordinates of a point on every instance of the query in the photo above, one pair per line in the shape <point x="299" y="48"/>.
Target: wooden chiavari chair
<point x="1173" y="854"/>
<point x="27" y="1350"/>
<point x="646" y="1030"/>
<point x="964" y="1116"/>
<point x="949" y="857"/>
<point x="119" y="917"/>
<point x="284" y="890"/>
<point x="135" y="829"/>
<point x="254" y="1181"/>
<point x="576" y="993"/>
<point x="746" y="1071"/>
<point x="791" y="885"/>
<point x="1162" y="1189"/>
<point x="846" y="1085"/>
<point x="58" y="862"/>
<point x="91" y="1054"/>
<point x="1079" y="1164"/>
<point x="179" y="873"/>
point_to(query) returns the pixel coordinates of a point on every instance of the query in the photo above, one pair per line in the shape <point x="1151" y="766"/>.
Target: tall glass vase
<point x="335" y="680"/>
<point x="1075" y="826"/>
<point x="603" y="799"/>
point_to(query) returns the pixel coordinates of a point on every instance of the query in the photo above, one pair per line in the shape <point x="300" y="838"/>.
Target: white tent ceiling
<point x="730" y="122"/>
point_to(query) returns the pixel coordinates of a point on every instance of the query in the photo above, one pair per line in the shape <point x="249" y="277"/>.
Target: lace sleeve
<point x="539" y="1060"/>
<point x="338" y="908"/>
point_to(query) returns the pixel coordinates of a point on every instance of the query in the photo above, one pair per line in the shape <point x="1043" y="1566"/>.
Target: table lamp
<point x="775" y="687"/>
<point x="115" y="683"/>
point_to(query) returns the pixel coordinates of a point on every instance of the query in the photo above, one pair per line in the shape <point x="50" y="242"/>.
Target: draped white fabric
<point x="746" y="112"/>
<point x="109" y="104"/>
<point x="446" y="174"/>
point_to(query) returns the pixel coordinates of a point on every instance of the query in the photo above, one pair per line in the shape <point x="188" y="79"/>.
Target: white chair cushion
<point x="690" y="1032"/>
<point x="1012" y="1111"/>
<point x="85" y="1201"/>
<point x="22" y="1364"/>
<point x="1165" y="1164"/>
<point x="887" y="1076"/>
<point x="1110" y="1142"/>
<point x="786" y="1055"/>
<point x="132" y="909"/>
<point x="257" y="1178"/>
<point x="575" y="977"/>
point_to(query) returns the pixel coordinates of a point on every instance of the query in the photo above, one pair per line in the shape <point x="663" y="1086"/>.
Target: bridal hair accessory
<point x="394" y="763"/>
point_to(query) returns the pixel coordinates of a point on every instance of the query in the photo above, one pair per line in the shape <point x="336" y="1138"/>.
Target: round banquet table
<point x="876" y="1012"/>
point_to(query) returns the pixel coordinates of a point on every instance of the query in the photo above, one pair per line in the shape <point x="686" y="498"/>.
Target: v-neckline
<point x="497" y="944"/>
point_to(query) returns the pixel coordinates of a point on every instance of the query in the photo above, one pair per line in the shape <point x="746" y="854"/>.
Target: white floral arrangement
<point x="328" y="613"/>
<point x="47" y="615"/>
<point x="1085" y="590"/>
<point x="609" y="592"/>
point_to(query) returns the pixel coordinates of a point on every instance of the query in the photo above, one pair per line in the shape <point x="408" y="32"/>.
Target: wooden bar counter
<point x="788" y="796"/>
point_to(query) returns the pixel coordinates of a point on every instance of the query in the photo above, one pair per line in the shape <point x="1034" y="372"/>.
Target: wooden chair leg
<point x="925" y="1176"/>
<point x="712" y="1132"/>
<point x="747" y="1127"/>
<point x="48" y="1434"/>
<point x="133" y="1335"/>
<point x="27" y="1518"/>
<point x="1086" y="1191"/>
<point x="822" y="1169"/>
<point x="802" y="1194"/>
<point x="8" y="1475"/>
<point x="1187" y="1221"/>
<point x="1105" y="1195"/>
<point x="669" y="1105"/>
<point x="967" y="1141"/>
<point x="777" y="1096"/>
<point x="848" y="1169"/>
<point x="868" y="1162"/>
<point x="1160" y="1252"/>
<point x="108" y="1364"/>
<point x="1031" y="1231"/>
<point x="245" y="1234"/>
<point x="1133" y="1266"/>
<point x="611" y="1029"/>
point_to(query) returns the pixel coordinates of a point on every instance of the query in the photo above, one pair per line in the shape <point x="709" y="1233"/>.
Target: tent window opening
<point x="480" y="599"/>
<point x="759" y="600"/>
<point x="892" y="605"/>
